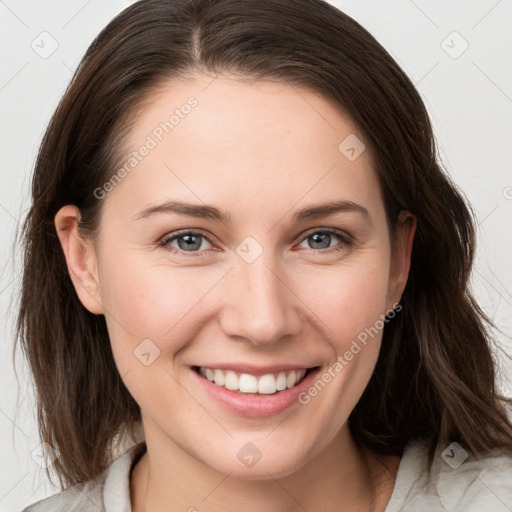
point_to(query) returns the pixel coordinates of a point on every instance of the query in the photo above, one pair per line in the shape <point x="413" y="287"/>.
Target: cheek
<point x="147" y="301"/>
<point x="350" y="303"/>
<point x="150" y="298"/>
<point x="152" y="309"/>
<point x="159" y="301"/>
<point x="347" y="300"/>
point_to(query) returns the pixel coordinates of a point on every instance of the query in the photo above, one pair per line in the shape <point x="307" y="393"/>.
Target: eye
<point x="321" y="239"/>
<point x="187" y="241"/>
<point x="191" y="241"/>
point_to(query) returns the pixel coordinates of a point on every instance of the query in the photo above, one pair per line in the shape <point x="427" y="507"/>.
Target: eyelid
<point x="342" y="234"/>
<point x="344" y="237"/>
<point x="164" y="240"/>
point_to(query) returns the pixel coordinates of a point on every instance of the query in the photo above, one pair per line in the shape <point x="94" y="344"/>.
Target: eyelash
<point x="346" y="240"/>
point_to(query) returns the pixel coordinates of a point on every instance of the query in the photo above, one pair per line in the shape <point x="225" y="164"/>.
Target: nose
<point x="259" y="304"/>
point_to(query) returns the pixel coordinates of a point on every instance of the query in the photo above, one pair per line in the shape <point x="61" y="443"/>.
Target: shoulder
<point x="105" y="493"/>
<point x="76" y="498"/>
<point x="475" y="484"/>
<point x="456" y="481"/>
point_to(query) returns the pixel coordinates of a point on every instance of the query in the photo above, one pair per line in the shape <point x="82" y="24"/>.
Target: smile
<point x="267" y="384"/>
<point x="254" y="391"/>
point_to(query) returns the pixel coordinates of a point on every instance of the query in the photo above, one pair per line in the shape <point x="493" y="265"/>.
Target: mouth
<point x="255" y="392"/>
<point x="248" y="383"/>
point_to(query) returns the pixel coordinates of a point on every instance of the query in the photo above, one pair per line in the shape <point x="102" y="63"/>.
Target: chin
<point x="261" y="459"/>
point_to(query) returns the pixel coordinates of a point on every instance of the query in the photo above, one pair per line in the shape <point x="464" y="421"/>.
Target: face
<point x="255" y="284"/>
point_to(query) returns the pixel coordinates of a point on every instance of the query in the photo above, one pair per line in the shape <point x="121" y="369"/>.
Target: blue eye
<point x="324" y="238"/>
<point x="188" y="241"/>
<point x="191" y="241"/>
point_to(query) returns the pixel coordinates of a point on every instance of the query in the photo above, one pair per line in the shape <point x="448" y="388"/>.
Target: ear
<point x="80" y="258"/>
<point x="401" y="256"/>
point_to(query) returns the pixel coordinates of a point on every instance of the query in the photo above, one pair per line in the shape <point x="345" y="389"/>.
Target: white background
<point x="469" y="99"/>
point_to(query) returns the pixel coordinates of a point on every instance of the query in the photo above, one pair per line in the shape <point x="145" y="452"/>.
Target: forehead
<point x="242" y="145"/>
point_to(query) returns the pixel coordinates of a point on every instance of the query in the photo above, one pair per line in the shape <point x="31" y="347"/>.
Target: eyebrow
<point x="213" y="213"/>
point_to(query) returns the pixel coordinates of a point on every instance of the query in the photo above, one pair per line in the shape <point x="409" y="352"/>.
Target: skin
<point x="259" y="151"/>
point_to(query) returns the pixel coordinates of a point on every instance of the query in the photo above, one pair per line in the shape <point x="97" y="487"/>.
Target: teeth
<point x="248" y="383"/>
<point x="218" y="377"/>
<point x="290" y="380"/>
<point x="281" y="381"/>
<point x="267" y="384"/>
<point x="245" y="383"/>
<point x="231" y="382"/>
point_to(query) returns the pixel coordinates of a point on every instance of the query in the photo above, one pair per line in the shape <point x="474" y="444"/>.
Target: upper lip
<point x="255" y="370"/>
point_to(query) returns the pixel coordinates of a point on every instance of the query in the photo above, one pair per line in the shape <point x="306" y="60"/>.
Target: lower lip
<point x="254" y="405"/>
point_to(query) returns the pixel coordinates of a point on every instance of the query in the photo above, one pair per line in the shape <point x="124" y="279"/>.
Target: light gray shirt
<point x="457" y="483"/>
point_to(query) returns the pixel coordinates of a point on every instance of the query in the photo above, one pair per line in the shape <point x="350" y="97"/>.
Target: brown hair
<point x="435" y="376"/>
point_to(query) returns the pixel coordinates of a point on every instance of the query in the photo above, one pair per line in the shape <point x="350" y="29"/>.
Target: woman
<point x="173" y="280"/>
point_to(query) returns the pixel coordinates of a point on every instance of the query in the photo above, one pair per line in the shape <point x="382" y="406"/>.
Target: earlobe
<point x="80" y="258"/>
<point x="401" y="256"/>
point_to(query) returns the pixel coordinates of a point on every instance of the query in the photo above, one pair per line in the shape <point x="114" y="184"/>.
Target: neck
<point x="341" y="477"/>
